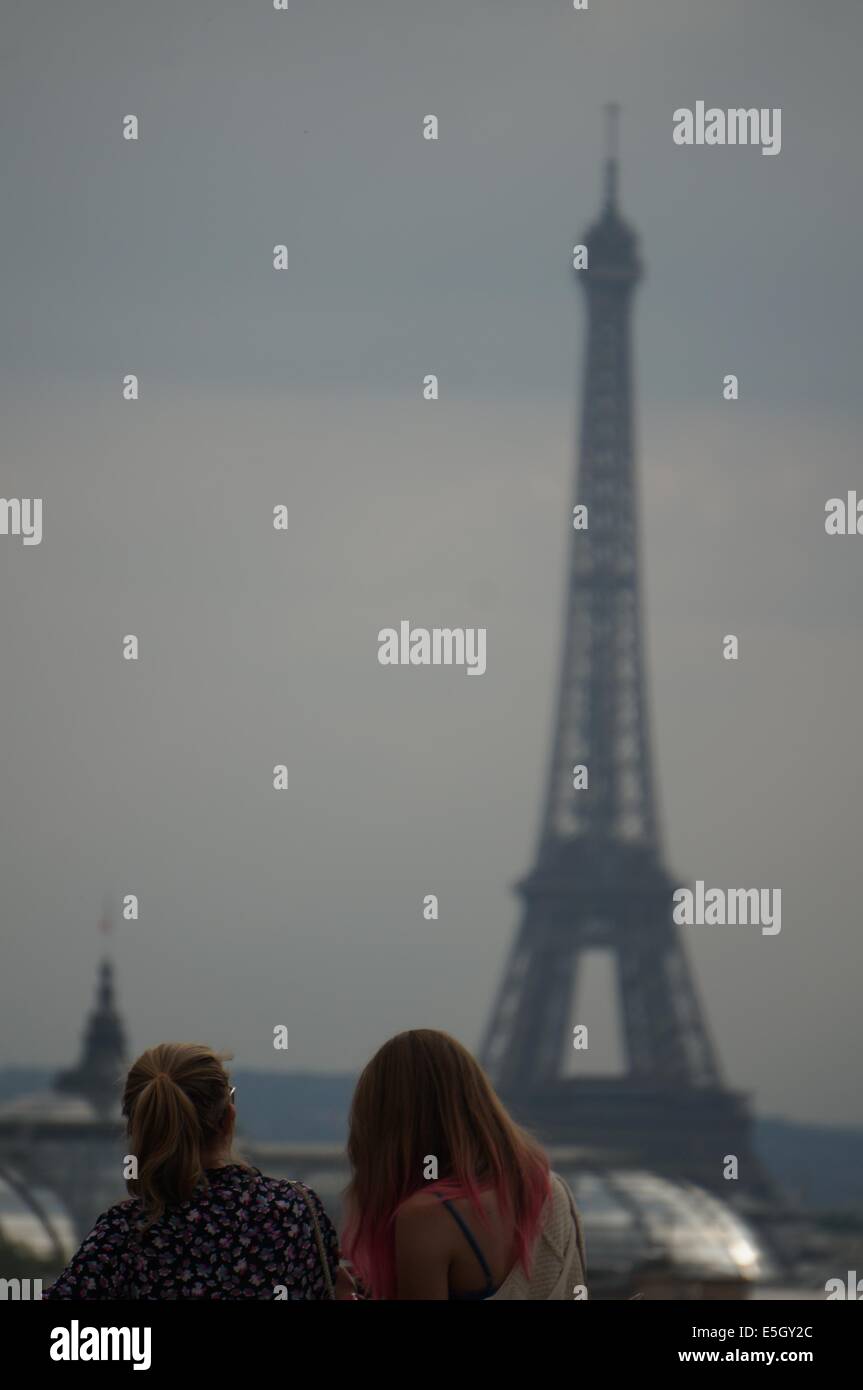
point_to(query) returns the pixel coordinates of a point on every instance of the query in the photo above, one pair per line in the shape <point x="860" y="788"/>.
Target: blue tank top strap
<point x="471" y="1240"/>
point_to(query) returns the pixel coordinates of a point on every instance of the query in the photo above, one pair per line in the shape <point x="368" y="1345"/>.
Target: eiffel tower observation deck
<point x="599" y="880"/>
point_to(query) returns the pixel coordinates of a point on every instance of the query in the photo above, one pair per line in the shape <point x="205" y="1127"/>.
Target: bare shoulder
<point x="422" y="1219"/>
<point x="420" y="1206"/>
<point x="423" y="1248"/>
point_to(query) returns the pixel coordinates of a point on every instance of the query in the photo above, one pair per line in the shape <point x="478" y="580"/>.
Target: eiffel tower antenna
<point x="612" y="153"/>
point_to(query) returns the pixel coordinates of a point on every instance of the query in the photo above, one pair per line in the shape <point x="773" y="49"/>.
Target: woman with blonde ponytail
<point x="200" y="1223"/>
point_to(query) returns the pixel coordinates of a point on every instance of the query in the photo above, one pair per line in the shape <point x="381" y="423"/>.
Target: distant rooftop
<point x="97" y="1077"/>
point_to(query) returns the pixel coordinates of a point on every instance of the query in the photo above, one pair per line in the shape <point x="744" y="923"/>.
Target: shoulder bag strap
<point x="319" y="1240"/>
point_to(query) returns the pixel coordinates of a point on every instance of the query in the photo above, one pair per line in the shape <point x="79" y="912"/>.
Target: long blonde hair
<point x="175" y="1103"/>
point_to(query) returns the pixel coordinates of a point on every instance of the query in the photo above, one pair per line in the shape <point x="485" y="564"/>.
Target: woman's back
<point x="449" y="1196"/>
<point x="244" y="1235"/>
<point x="445" y="1248"/>
<point x="559" y="1265"/>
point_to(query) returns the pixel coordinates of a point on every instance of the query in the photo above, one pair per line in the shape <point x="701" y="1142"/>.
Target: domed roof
<point x="41" y="1107"/>
<point x="89" y="1093"/>
<point x="634" y="1218"/>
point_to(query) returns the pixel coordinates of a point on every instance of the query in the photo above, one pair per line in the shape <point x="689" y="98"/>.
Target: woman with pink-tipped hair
<point x="449" y="1198"/>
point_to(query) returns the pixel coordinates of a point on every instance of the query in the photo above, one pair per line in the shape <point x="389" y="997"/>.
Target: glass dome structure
<point x="635" y="1219"/>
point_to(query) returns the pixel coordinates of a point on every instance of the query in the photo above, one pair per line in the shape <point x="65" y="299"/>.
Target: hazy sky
<point x="408" y="257"/>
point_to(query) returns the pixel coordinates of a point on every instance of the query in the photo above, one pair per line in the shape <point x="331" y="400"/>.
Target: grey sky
<point x="257" y="388"/>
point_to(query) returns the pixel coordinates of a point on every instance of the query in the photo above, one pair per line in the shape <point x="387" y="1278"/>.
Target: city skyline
<point x="259" y="649"/>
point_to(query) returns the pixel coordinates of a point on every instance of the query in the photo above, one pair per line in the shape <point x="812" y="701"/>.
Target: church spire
<point x="98" y="1073"/>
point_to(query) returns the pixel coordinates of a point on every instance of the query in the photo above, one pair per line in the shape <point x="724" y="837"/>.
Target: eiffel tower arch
<point x="599" y="881"/>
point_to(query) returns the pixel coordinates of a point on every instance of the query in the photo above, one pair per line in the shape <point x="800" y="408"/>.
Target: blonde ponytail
<point x="175" y="1102"/>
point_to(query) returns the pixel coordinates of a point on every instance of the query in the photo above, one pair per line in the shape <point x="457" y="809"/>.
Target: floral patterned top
<point x="242" y="1236"/>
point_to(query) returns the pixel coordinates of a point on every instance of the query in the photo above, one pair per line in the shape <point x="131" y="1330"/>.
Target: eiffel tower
<point x="599" y="882"/>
